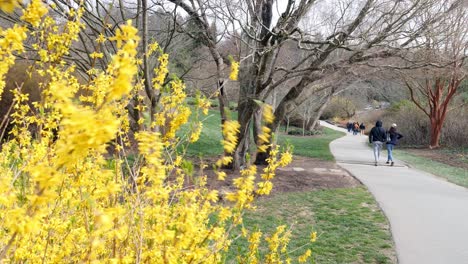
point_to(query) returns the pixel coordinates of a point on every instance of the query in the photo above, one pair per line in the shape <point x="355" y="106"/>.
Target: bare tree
<point x="433" y="88"/>
<point x="363" y="31"/>
<point x="199" y="12"/>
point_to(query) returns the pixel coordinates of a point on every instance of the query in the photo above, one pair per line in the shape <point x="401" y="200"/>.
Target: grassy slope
<point x="453" y="174"/>
<point x="348" y="222"/>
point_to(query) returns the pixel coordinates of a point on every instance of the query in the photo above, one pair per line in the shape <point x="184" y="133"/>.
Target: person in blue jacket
<point x="392" y="139"/>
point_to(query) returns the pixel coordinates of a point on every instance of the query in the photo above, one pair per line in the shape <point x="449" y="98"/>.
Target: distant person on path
<point x="377" y="138"/>
<point x="392" y="139"/>
<point x="355" y="128"/>
<point x="362" y="127"/>
<point x="349" y="126"/>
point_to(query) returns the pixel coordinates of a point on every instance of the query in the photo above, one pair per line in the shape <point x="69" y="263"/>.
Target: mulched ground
<point x="303" y="174"/>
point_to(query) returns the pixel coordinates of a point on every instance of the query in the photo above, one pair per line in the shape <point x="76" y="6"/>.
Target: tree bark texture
<point x="320" y="111"/>
<point x="246" y="109"/>
<point x="150" y="93"/>
<point x="438" y="95"/>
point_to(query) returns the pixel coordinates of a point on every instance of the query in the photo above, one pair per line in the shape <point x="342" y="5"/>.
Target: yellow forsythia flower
<point x="153" y="47"/>
<point x="34" y="12"/>
<point x="161" y="72"/>
<point x="305" y="256"/>
<point x="234" y="70"/>
<point x="8" y="5"/>
<point x="96" y="55"/>
<point x="11" y="41"/>
<point x="101" y="38"/>
<point x="268" y="115"/>
<point x="264" y="188"/>
<point x="221" y="175"/>
<point x="230" y="130"/>
<point x="286" y="158"/>
<point x="313" y="236"/>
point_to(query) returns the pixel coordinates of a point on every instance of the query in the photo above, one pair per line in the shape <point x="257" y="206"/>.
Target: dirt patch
<point x="303" y="174"/>
<point x="455" y="159"/>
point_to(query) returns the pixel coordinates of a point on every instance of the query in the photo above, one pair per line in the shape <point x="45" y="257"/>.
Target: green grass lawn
<point x="309" y="146"/>
<point x="312" y="146"/>
<point x="350" y="226"/>
<point x="453" y="174"/>
<point x="209" y="143"/>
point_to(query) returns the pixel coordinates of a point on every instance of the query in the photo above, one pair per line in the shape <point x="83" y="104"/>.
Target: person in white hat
<point x="392" y="140"/>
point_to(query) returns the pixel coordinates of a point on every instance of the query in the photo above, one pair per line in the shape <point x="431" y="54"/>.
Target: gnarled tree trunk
<point x="439" y="95"/>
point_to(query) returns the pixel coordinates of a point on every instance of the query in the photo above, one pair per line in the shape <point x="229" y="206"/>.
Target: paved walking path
<point x="428" y="215"/>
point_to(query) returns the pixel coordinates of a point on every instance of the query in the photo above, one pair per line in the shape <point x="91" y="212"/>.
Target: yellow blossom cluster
<point x="173" y="112"/>
<point x="229" y="142"/>
<point x="264" y="136"/>
<point x="204" y="104"/>
<point x="8" y="5"/>
<point x="34" y="13"/>
<point x="230" y="130"/>
<point x="234" y="70"/>
<point x="277" y="244"/>
<point x="55" y="39"/>
<point x="160" y="73"/>
<point x="11" y="41"/>
<point x="67" y="199"/>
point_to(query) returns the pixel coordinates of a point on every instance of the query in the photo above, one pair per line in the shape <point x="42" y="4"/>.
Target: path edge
<point x="376" y="201"/>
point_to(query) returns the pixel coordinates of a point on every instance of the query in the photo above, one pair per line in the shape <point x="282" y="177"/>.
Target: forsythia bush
<point x="64" y="201"/>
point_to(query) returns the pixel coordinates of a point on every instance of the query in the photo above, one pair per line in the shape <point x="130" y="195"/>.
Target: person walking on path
<point x="377" y="137"/>
<point x="355" y="128"/>
<point x="349" y="126"/>
<point x="362" y="127"/>
<point x="392" y="139"/>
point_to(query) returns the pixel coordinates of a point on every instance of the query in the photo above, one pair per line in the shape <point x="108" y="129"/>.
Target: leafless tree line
<point x="290" y="49"/>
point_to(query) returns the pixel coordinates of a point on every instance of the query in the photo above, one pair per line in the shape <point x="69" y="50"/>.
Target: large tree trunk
<point x="310" y="124"/>
<point x="246" y="109"/>
<point x="320" y="111"/>
<point x="436" y="129"/>
<point x="220" y="82"/>
<point x="280" y="113"/>
<point x="439" y="94"/>
<point x="222" y="100"/>
<point x="257" y="125"/>
<point x="281" y="110"/>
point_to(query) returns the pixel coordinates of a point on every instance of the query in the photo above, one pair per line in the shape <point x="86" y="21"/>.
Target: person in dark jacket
<point x="362" y="127"/>
<point x="394" y="136"/>
<point x="377" y="138"/>
<point x="349" y="126"/>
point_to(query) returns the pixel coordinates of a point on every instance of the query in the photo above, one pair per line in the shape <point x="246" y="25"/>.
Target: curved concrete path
<point x="428" y="215"/>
